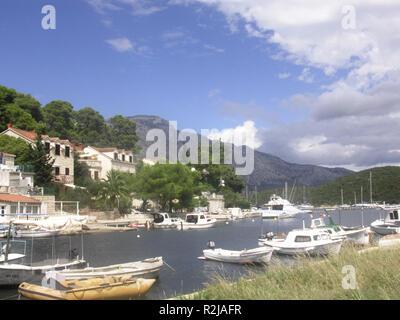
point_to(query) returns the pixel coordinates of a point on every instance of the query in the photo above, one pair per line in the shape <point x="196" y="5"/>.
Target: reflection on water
<point x="183" y="271"/>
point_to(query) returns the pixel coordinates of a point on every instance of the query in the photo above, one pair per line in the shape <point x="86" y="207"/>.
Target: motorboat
<point x="246" y="256"/>
<point x="357" y="235"/>
<point x="106" y="288"/>
<point x="279" y="208"/>
<point x="147" y="268"/>
<point x="389" y="225"/>
<point x="197" y="221"/>
<point x="303" y="241"/>
<point x="162" y="220"/>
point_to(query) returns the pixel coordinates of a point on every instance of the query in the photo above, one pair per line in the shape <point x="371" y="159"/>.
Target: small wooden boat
<point x="106" y="288"/>
<point x="148" y="268"/>
<point x="257" y="255"/>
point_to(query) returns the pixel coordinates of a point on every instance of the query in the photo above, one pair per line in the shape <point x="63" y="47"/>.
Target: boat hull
<point x="14" y="274"/>
<point x="35" y="234"/>
<point x="382" y="228"/>
<point x="313" y="250"/>
<point x="193" y="226"/>
<point x="91" y="289"/>
<point x="258" y="255"/>
<point x="148" y="269"/>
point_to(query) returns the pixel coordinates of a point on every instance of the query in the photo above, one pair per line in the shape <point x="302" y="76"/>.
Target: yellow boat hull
<point x="106" y="288"/>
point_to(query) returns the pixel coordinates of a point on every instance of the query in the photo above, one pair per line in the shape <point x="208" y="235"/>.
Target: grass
<point x="377" y="278"/>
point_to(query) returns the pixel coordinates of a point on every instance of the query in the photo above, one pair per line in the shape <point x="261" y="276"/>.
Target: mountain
<point x="385" y="187"/>
<point x="269" y="171"/>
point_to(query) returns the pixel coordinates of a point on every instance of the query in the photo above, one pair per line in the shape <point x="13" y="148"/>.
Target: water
<point x="183" y="272"/>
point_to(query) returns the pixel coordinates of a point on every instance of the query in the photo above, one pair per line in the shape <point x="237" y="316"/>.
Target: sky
<point x="309" y="81"/>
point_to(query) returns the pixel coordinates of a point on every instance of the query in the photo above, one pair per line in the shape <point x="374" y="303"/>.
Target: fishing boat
<point x="389" y="225"/>
<point x="35" y="232"/>
<point x="164" y="221"/>
<point x="106" y="288"/>
<point x="197" y="221"/>
<point x="246" y="256"/>
<point x="357" y="235"/>
<point x="279" y="208"/>
<point x="148" y="268"/>
<point x="303" y="241"/>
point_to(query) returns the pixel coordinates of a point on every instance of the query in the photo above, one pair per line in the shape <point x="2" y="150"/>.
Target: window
<point x="123" y="157"/>
<point x="317" y="237"/>
<point x="67" y="171"/>
<point x="277" y="207"/>
<point x="3" y="210"/>
<point x="13" y="209"/>
<point x="96" y="175"/>
<point x="115" y="156"/>
<point x="47" y="146"/>
<point x="58" y="149"/>
<point x="302" y="239"/>
<point x="67" y="152"/>
<point x="130" y="159"/>
<point x="57" y="171"/>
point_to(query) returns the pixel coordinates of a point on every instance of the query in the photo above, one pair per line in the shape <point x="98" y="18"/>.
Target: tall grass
<point x="377" y="277"/>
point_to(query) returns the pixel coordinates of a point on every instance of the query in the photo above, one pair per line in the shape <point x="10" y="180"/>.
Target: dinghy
<point x="106" y="288"/>
<point x="257" y="255"/>
<point x="148" y="268"/>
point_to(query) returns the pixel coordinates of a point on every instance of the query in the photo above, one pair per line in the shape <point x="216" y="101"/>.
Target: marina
<point x="183" y="272"/>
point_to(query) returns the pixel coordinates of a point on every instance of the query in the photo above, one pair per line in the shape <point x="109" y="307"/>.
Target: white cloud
<point x="214" y="92"/>
<point x="245" y="134"/>
<point x="213" y="48"/>
<point x="121" y="44"/>
<point x="306" y="76"/>
<point x="284" y="75"/>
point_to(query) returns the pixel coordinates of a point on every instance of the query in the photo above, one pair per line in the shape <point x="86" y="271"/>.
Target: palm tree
<point x="114" y="188"/>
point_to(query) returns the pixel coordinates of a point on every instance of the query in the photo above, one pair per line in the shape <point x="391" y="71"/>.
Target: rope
<point x="13" y="296"/>
<point x="169" y="266"/>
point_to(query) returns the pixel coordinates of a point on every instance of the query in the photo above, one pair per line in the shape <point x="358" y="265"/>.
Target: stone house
<point x="16" y="204"/>
<point x="60" y="150"/>
<point x="102" y="160"/>
<point x="15" y="179"/>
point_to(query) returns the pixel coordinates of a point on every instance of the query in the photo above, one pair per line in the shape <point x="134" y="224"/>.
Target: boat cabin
<point x="160" y="217"/>
<point x="394" y="215"/>
<point x="196" y="217"/>
<point x="307" y="236"/>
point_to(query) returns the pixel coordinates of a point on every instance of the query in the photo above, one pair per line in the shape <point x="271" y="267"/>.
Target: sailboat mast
<point x="370" y="186"/>
<point x="341" y="192"/>
<point x="286" y="190"/>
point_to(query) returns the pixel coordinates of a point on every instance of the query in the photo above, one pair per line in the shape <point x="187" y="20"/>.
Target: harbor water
<point x="183" y="272"/>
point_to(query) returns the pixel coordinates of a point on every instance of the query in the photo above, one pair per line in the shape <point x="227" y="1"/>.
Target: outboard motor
<point x="73" y="254"/>
<point x="211" y="244"/>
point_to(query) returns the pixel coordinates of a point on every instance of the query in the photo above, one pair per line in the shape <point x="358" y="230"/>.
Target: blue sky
<point x="212" y="64"/>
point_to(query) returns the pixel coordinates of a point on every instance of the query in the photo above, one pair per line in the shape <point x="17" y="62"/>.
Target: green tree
<point x="81" y="172"/>
<point x="58" y="117"/>
<point x="123" y="132"/>
<point x="16" y="146"/>
<point x="42" y="163"/>
<point x="113" y="189"/>
<point x="91" y="128"/>
<point x="30" y="105"/>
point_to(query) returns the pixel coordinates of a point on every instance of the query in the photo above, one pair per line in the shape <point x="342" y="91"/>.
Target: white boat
<point x="304" y="241"/>
<point x="389" y="225"/>
<point x="279" y="208"/>
<point x="197" y="221"/>
<point x="357" y="235"/>
<point x="148" y="268"/>
<point x="164" y="221"/>
<point x="257" y="255"/>
<point x="34" y="233"/>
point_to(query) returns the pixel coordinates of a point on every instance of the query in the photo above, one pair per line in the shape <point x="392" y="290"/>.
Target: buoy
<point x="138" y="236"/>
